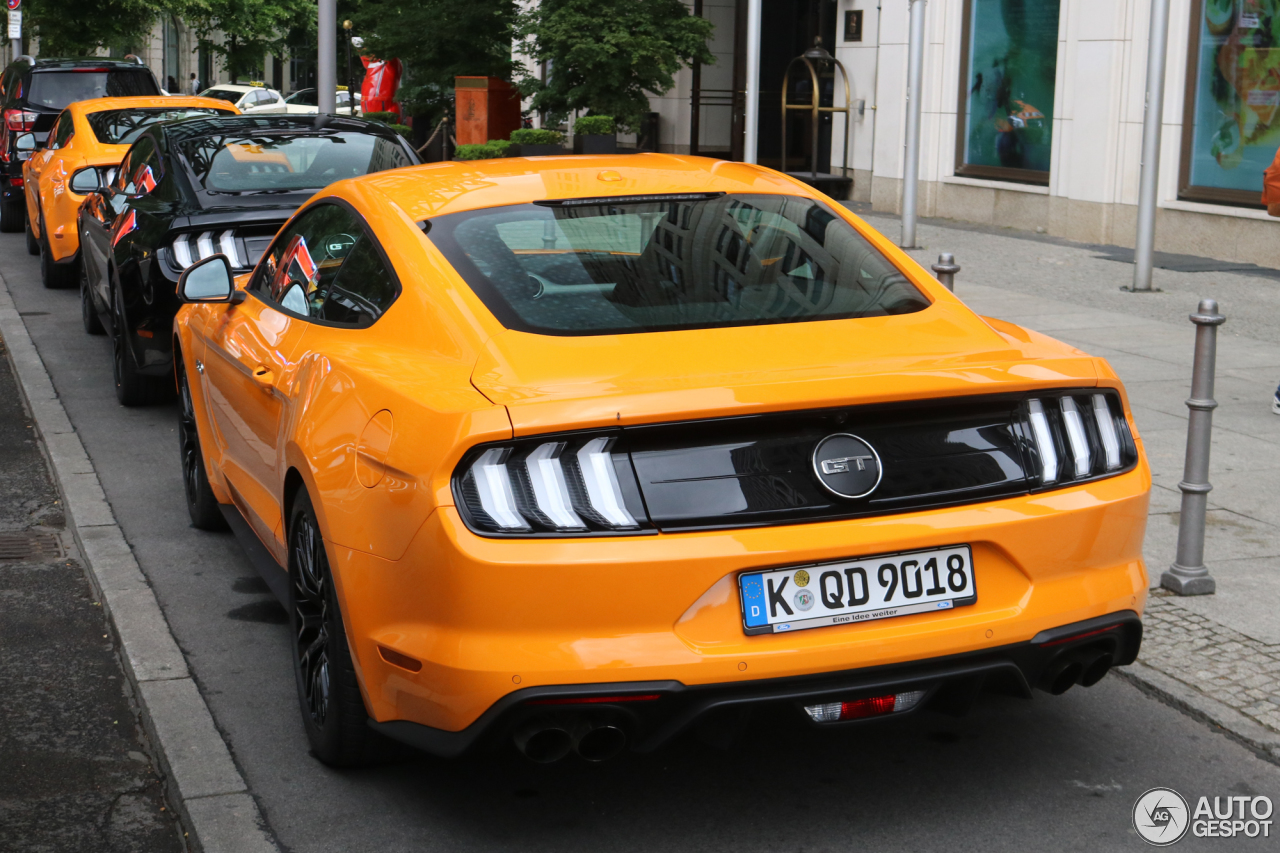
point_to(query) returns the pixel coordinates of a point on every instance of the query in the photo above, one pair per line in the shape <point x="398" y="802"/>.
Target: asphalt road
<point x="1048" y="774"/>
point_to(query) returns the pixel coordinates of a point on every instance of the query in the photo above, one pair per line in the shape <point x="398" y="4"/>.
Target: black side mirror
<point x="209" y="280"/>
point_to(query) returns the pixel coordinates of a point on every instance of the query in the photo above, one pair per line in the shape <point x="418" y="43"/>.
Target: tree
<point x="250" y="28"/>
<point x="606" y="55"/>
<point x="76" y="28"/>
<point x="438" y="40"/>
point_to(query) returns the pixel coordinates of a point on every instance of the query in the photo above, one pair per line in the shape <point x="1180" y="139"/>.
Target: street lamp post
<point x="1144" y="245"/>
<point x="915" y="88"/>
<point x="327" y="58"/>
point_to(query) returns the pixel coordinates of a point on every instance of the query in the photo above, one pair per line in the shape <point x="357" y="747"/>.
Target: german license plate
<point x="878" y="587"/>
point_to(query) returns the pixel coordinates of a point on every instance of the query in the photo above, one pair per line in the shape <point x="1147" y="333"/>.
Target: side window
<point x="325" y="266"/>
<point x="66" y="128"/>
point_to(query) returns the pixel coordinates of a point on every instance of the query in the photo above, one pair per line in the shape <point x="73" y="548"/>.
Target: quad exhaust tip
<point x="545" y="744"/>
<point x="1085" y="667"/>
<point x="546" y="741"/>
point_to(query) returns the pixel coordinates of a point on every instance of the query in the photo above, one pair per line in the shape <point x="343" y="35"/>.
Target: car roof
<point x="196" y="127"/>
<point x="235" y="87"/>
<point x="54" y="63"/>
<point x="435" y="189"/>
<point x="98" y="105"/>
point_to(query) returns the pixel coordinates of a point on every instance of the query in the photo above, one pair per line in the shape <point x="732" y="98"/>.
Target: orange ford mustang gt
<point x="582" y="451"/>
<point x="87" y="142"/>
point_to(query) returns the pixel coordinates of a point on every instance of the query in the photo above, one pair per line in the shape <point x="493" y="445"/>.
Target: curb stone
<point x="1192" y="702"/>
<point x="212" y="800"/>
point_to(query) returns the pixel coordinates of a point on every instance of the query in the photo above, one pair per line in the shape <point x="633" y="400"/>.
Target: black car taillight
<point x="189" y="248"/>
<point x="1079" y="435"/>
<point x="569" y="485"/>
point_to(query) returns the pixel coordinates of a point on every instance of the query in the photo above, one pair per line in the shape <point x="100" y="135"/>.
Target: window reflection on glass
<point x="1012" y="56"/>
<point x="1236" y="94"/>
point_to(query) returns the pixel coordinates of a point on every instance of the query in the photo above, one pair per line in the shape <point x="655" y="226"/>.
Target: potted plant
<point x="595" y="135"/>
<point x="536" y="142"/>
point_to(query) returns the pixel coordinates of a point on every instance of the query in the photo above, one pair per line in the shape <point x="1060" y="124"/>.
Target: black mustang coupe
<point x="190" y="189"/>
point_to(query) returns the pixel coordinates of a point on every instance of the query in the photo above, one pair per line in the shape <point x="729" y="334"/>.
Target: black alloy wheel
<point x="13" y="215"/>
<point x="33" y="245"/>
<point x="88" y="308"/>
<point x="201" y="504"/>
<point x="333" y="711"/>
<point x="132" y="388"/>
<point x="53" y="275"/>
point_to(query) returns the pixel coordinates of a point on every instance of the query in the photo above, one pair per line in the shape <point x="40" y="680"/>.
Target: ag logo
<point x="847" y="466"/>
<point x="1161" y="816"/>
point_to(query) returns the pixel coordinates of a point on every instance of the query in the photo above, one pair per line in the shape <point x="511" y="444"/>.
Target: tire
<point x="88" y="311"/>
<point x="201" y="504"/>
<point x="33" y="245"/>
<point x="333" y="711"/>
<point x="53" y="275"/>
<point x="13" y="215"/>
<point x="132" y="388"/>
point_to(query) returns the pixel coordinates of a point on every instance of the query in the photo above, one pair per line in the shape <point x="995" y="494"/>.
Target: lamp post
<point x="1148" y="185"/>
<point x="327" y="58"/>
<point x="915" y="88"/>
<point x="351" y="92"/>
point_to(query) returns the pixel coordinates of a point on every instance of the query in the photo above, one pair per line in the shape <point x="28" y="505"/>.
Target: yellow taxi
<point x="87" y="141"/>
<point x="575" y="453"/>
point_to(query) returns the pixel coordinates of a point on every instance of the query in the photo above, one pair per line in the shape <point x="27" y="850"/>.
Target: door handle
<point x="264" y="376"/>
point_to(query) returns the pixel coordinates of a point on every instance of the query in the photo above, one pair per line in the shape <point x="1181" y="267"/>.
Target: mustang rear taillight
<point x="574" y="485"/>
<point x="189" y="248"/>
<point x="857" y="709"/>
<point x="1078" y="436"/>
<point x="20" y="120"/>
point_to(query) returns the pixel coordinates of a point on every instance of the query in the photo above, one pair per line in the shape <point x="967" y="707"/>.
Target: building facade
<point x="1032" y="111"/>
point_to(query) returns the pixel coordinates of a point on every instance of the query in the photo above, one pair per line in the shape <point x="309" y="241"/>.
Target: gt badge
<point x="847" y="466"/>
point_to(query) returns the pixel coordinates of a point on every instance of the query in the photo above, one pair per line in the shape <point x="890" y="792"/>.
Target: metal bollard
<point x="946" y="269"/>
<point x="1188" y="575"/>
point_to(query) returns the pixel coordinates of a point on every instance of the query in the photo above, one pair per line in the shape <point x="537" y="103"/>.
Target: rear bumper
<point x="950" y="683"/>
<point x="456" y="625"/>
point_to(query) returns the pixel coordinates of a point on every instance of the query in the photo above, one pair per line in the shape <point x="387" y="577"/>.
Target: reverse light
<point x="567" y="486"/>
<point x="857" y="709"/>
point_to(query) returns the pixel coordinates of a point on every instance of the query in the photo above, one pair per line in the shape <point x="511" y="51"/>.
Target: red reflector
<point x="872" y="707"/>
<point x="1078" y="636"/>
<point x="17" y="182"/>
<point x="596" y="700"/>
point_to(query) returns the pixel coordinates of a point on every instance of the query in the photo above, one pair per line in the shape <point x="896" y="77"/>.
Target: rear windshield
<point x="305" y="98"/>
<point x="228" y="95"/>
<point x="57" y="89"/>
<point x="266" y="162"/>
<point x="123" y="127"/>
<point x="655" y="264"/>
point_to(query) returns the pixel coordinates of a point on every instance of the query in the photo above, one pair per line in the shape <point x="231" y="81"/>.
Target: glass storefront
<point x="1009" y="60"/>
<point x="1231" y="128"/>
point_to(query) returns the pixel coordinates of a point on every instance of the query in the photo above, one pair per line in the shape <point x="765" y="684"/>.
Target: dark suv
<point x="32" y="94"/>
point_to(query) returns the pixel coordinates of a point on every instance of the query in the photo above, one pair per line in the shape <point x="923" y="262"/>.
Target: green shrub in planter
<point x="491" y="150"/>
<point x="595" y="126"/>
<point x="402" y="129"/>
<point x="386" y="117"/>
<point x="536" y="136"/>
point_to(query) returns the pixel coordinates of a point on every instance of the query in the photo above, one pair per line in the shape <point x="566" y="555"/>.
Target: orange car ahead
<point x="577" y="452"/>
<point x="86" y="143"/>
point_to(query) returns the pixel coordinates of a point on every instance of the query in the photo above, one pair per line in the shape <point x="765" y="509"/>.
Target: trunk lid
<point x="552" y="382"/>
